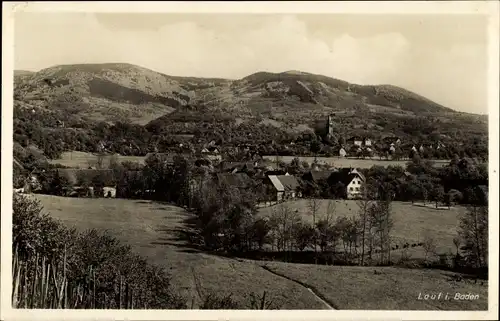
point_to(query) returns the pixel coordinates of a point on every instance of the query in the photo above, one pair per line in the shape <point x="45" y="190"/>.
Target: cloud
<point x="188" y="48"/>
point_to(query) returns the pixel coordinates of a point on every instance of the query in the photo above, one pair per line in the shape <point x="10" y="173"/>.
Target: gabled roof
<point x="284" y="183"/>
<point x="276" y="183"/>
<point x="345" y="176"/>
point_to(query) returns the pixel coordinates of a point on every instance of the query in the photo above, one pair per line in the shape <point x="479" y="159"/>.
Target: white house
<point x="355" y="181"/>
<point x="368" y="142"/>
<point x="342" y="152"/>
<point x="351" y="179"/>
<point x="421" y="149"/>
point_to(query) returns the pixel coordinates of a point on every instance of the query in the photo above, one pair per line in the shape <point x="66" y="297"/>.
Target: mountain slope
<point x="116" y="91"/>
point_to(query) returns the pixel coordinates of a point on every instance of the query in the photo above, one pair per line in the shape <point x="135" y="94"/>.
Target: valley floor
<point x="157" y="231"/>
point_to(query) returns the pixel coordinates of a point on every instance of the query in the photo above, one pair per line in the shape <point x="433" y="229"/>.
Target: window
<point x="350" y="189"/>
<point x="357" y="189"/>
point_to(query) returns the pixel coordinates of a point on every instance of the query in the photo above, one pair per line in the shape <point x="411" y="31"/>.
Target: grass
<point x="352" y="162"/>
<point x="411" y="222"/>
<point x="389" y="289"/>
<point x="84" y="160"/>
<point x="151" y="230"/>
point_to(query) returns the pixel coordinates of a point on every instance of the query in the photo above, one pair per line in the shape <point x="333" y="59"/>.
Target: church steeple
<point x="330" y="124"/>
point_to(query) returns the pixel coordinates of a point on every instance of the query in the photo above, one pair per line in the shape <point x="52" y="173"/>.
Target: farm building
<point x="282" y="187"/>
<point x="351" y="179"/>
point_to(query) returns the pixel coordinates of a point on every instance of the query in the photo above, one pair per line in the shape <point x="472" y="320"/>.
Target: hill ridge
<point x="124" y="91"/>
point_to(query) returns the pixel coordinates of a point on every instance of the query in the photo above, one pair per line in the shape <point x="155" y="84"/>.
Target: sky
<point x="442" y="57"/>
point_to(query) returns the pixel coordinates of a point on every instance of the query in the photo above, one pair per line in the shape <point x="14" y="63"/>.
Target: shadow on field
<point x="185" y="236"/>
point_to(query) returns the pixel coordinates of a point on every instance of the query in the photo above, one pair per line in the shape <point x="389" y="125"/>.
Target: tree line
<point x="57" y="131"/>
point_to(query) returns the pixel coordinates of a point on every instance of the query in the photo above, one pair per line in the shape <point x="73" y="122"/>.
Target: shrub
<point x="54" y="267"/>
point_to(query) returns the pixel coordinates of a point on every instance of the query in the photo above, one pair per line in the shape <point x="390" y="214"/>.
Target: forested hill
<point x="132" y="110"/>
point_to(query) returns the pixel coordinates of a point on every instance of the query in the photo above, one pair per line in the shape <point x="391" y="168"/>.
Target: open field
<point x="152" y="230"/>
<point x="390" y="289"/>
<point x="352" y="162"/>
<point x="84" y="160"/>
<point x="411" y="222"/>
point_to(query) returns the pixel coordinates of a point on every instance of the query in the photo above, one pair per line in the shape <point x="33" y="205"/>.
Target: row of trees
<point x="458" y="182"/>
<point x="228" y="220"/>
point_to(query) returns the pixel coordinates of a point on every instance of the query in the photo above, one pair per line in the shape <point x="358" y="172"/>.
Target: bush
<point x="89" y="270"/>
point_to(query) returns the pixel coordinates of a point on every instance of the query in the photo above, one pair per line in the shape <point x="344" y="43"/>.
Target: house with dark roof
<point x="352" y="179"/>
<point x="282" y="187"/>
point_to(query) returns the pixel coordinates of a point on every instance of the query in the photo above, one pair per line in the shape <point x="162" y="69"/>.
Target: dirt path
<point x="319" y="296"/>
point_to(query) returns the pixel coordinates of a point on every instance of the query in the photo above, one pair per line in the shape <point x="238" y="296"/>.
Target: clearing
<point x="152" y="229"/>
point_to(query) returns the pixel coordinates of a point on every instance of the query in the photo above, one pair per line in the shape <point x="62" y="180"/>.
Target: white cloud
<point x="188" y="49"/>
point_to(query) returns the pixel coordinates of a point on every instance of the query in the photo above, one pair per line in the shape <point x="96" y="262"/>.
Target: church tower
<point x="330" y="124"/>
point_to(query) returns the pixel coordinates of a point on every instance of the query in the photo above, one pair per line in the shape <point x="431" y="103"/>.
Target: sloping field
<point x="151" y="229"/>
<point x="411" y="222"/>
<point x="389" y="289"/>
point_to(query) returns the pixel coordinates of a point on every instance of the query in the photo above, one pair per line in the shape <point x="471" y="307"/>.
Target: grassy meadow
<point x="84" y="160"/>
<point x="152" y="230"/>
<point x="411" y="222"/>
<point x="353" y="287"/>
<point x="352" y="162"/>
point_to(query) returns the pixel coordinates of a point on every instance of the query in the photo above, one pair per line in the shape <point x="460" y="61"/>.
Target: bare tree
<point x="473" y="232"/>
<point x="284" y="220"/>
<point x="313" y="205"/>
<point x="381" y="223"/>
<point x="429" y="245"/>
<point x="364" y="205"/>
